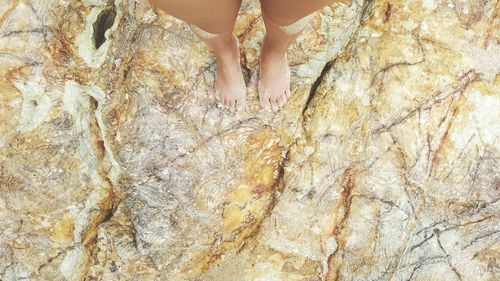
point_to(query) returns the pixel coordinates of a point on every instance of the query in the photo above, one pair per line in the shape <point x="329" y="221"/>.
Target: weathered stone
<point x="115" y="163"/>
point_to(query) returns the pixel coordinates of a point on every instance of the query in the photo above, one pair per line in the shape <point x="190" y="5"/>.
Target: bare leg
<point x="213" y="21"/>
<point x="284" y="21"/>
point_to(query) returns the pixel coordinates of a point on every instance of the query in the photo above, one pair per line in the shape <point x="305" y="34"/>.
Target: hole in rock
<point x="104" y="22"/>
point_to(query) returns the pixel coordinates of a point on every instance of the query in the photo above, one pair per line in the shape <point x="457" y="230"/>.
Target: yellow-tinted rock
<point x="115" y="163"/>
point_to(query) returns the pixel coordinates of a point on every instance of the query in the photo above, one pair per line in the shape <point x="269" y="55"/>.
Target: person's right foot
<point x="229" y="83"/>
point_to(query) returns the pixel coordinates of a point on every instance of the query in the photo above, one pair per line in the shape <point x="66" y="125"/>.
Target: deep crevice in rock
<point x="104" y="21"/>
<point x="343" y="209"/>
<point x="366" y="11"/>
<point x="105" y="211"/>
<point x="317" y="83"/>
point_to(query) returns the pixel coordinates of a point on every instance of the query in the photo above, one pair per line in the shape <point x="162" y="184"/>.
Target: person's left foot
<point x="274" y="78"/>
<point x="229" y="83"/>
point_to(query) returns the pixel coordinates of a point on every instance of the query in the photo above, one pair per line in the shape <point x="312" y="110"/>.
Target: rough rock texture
<point x="115" y="163"/>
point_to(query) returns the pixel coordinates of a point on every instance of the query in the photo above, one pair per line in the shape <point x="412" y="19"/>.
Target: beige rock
<point x="115" y="163"/>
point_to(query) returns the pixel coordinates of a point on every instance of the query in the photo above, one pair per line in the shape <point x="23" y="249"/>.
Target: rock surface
<point x="115" y="163"/>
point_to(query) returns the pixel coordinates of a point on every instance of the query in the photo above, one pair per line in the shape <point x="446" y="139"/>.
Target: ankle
<point x="276" y="44"/>
<point x="223" y="47"/>
<point x="227" y="50"/>
<point x="273" y="52"/>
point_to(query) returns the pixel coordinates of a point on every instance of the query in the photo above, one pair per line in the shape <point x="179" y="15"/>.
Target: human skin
<point x="216" y="19"/>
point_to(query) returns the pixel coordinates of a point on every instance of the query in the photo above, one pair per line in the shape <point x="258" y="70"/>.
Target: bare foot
<point x="229" y="83"/>
<point x="274" y="78"/>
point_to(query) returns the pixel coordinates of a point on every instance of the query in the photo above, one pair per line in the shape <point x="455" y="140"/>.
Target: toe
<point x="267" y="104"/>
<point x="281" y="100"/>
<point x="264" y="101"/>
<point x="232" y="105"/>
<point x="263" y="97"/>
<point x="287" y="93"/>
<point x="274" y="105"/>
<point x="224" y="102"/>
